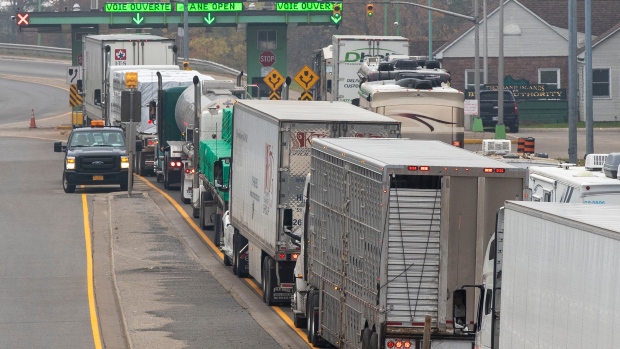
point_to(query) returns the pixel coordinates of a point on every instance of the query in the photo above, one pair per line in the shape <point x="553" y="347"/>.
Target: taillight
<point x="150" y="142"/>
<point x="516" y="109"/>
<point x="390" y="344"/>
<point x="456" y="143"/>
<point x="178" y="163"/>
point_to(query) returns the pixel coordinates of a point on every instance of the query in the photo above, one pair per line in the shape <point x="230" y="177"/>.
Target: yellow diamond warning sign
<point x="306" y="96"/>
<point x="274" y="80"/>
<point x="306" y="78"/>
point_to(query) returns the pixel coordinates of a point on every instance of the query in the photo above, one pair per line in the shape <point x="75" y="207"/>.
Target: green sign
<point x="305" y="6"/>
<point x="138" y="7"/>
<point x="211" y="7"/>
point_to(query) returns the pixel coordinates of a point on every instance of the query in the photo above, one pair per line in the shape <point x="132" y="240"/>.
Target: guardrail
<point x="65" y="54"/>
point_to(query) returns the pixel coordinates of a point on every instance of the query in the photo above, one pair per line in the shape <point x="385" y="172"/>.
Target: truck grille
<point x="98" y="164"/>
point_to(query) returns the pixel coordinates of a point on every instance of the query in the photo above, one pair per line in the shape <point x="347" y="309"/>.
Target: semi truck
<point x="149" y="81"/>
<point x="549" y="278"/>
<point x="347" y="56"/>
<point x="270" y="159"/>
<point x="425" y="111"/>
<point x="568" y="183"/>
<point x="100" y="52"/>
<point x="207" y="104"/>
<point x="391" y="227"/>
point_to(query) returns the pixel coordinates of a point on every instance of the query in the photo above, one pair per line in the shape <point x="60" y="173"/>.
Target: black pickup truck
<point x="94" y="156"/>
<point x="489" y="109"/>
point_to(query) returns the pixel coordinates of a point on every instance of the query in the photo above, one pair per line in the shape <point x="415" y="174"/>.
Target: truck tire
<point x="124" y="186"/>
<point x="182" y="190"/>
<point x="374" y="341"/>
<point x="160" y="177"/>
<point x="202" y="220"/>
<point x="514" y="128"/>
<point x="310" y="315"/>
<point x="139" y="164"/>
<point x="166" y="172"/>
<point x="269" y="280"/>
<point x="313" y="320"/>
<point x="227" y="261"/>
<point x="238" y="264"/>
<point x="68" y="188"/>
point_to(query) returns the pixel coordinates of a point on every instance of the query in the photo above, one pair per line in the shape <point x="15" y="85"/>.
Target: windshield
<point x="492" y="96"/>
<point x="97" y="139"/>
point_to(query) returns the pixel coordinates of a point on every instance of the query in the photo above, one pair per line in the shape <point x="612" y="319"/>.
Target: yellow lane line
<point x="33" y="81"/>
<point x="215" y="249"/>
<point x="94" y="322"/>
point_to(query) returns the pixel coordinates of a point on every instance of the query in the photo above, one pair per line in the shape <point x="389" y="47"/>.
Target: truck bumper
<point x="96" y="178"/>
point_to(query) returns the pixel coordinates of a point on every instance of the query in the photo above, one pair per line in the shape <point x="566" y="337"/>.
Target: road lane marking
<point x="94" y="322"/>
<point x="219" y="253"/>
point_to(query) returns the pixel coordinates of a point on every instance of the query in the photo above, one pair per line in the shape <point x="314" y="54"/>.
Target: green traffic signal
<point x="370" y="10"/>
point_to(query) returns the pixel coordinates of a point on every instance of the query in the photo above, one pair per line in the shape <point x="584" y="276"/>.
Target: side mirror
<point x="97" y="98"/>
<point x="138" y="146"/>
<point x="58" y="148"/>
<point x="459" y="309"/>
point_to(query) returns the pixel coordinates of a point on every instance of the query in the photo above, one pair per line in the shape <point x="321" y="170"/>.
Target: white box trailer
<point x="556" y="283"/>
<point x="270" y="161"/>
<point x="568" y="183"/>
<point x="103" y="51"/>
<point x="348" y="55"/>
<point x="394" y="226"/>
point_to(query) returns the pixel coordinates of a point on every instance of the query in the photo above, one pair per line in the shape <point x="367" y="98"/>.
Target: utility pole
<point x="185" y="31"/>
<point x="477" y="59"/>
<point x="500" y="128"/>
<point x="572" y="81"/>
<point x="485" y="63"/>
<point x="588" y="80"/>
<point x="430" y="31"/>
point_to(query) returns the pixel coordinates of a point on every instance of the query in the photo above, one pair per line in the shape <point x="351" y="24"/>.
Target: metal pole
<point x="397" y="20"/>
<point x="477" y="58"/>
<point x="572" y="82"/>
<point x="500" y="128"/>
<point x="588" y="80"/>
<point x="196" y="143"/>
<point x="485" y="63"/>
<point x="131" y="144"/>
<point x="185" y="31"/>
<point x="385" y="11"/>
<point x="430" y="31"/>
<point x="39" y="34"/>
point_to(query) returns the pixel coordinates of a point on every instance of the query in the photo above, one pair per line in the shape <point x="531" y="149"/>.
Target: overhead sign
<point x="305" y="6"/>
<point x="274" y="80"/>
<point x="267" y="58"/>
<point x="306" y="78"/>
<point x="22" y="19"/>
<point x="138" y="7"/>
<point x="211" y="7"/>
<point x="73" y="75"/>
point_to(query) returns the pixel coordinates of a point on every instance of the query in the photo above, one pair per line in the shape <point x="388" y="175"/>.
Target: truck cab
<point x="94" y="155"/>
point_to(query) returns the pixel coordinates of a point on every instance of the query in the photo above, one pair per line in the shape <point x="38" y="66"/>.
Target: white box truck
<point x="270" y="161"/>
<point x="393" y="226"/>
<point x="100" y="52"/>
<point x="568" y="183"/>
<point x="550" y="278"/>
<point x="348" y="55"/>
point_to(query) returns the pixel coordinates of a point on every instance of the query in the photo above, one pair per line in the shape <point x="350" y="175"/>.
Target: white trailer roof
<point x="371" y="37"/>
<point x="127" y="37"/>
<point x="386" y="152"/>
<point x="577" y="176"/>
<point x="315" y="111"/>
<point x="601" y="216"/>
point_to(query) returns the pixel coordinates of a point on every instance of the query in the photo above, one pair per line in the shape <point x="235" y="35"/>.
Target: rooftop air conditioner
<point x="496" y="146"/>
<point x="595" y="161"/>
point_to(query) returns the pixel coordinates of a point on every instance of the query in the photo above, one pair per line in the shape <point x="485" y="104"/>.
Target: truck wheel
<point x="201" y="212"/>
<point x="124" y="186"/>
<point x="366" y="338"/>
<point x="166" y="173"/>
<point x="310" y="315"/>
<point x="514" y="128"/>
<point x="235" y="253"/>
<point x="269" y="280"/>
<point x="139" y="169"/>
<point x="374" y="341"/>
<point x="160" y="177"/>
<point x="313" y="320"/>
<point x="238" y="243"/>
<point x="68" y="188"/>
<point x="182" y="190"/>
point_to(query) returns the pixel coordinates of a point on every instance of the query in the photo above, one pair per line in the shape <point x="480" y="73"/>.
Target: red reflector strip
<point x="393" y="323"/>
<point x="425" y="168"/>
<point x="412" y="168"/>
<point x="286" y="285"/>
<point x="488" y="170"/>
<point x="500" y="170"/>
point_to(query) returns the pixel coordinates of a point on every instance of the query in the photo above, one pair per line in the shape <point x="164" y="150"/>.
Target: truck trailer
<point x="550" y="278"/>
<point x="392" y="227"/>
<point x="348" y="55"/>
<point x="270" y="160"/>
<point x="567" y="183"/>
<point x="100" y="52"/>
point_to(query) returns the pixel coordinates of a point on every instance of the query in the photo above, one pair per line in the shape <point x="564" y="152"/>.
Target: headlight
<point x="70" y="163"/>
<point x="124" y="162"/>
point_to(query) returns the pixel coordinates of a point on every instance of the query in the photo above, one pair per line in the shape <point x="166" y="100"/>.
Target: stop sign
<point x="267" y="58"/>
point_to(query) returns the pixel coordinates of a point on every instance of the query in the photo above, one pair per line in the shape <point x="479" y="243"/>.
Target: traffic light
<point x="370" y="9"/>
<point x="337" y="11"/>
<point x="152" y="110"/>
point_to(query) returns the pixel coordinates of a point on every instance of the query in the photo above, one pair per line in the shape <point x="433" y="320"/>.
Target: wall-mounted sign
<point x="305" y="6"/>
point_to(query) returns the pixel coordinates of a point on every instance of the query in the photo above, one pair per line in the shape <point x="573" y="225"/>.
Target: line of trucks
<point x="370" y="237"/>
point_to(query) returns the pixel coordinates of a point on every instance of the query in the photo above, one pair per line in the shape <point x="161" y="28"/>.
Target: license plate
<point x="97" y="178"/>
